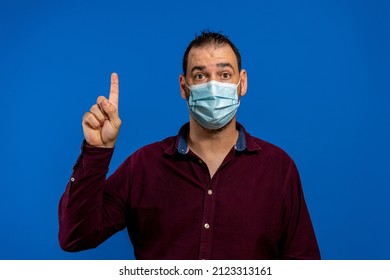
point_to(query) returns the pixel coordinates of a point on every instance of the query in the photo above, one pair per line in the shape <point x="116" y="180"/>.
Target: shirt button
<point x="72" y="179"/>
<point x="210" y="192"/>
<point x="200" y="161"/>
<point x="206" y="225"/>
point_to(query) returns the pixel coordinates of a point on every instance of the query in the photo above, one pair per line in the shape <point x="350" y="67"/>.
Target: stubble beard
<point x="214" y="131"/>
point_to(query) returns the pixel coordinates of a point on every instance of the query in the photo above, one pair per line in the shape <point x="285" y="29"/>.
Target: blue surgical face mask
<point x="213" y="104"/>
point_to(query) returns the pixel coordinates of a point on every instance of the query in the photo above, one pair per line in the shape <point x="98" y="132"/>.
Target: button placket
<point x="207" y="221"/>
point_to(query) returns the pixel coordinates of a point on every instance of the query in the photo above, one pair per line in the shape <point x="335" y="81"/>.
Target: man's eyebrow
<point x="225" y="64"/>
<point x="200" y="68"/>
<point x="220" y="65"/>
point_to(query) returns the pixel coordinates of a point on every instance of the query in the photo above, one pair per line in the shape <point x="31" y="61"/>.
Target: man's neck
<point x="204" y="142"/>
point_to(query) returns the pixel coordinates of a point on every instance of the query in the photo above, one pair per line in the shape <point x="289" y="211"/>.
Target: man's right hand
<point x="101" y="124"/>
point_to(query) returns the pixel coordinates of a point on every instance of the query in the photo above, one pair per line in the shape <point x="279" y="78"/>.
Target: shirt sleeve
<point x="299" y="239"/>
<point x="92" y="208"/>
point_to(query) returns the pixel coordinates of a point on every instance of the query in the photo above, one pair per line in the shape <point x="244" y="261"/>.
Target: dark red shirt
<point x="252" y="208"/>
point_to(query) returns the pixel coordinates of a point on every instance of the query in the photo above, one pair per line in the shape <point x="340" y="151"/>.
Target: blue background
<point x="319" y="71"/>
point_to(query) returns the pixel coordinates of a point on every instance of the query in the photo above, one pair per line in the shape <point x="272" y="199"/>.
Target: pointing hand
<point x="101" y="124"/>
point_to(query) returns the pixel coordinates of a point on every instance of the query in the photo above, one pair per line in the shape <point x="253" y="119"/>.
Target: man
<point x="211" y="192"/>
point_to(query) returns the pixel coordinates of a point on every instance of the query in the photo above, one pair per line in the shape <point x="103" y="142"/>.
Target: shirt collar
<point x="182" y="146"/>
<point x="244" y="142"/>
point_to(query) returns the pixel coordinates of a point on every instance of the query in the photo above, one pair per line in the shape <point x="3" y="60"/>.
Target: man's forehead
<point x="212" y="54"/>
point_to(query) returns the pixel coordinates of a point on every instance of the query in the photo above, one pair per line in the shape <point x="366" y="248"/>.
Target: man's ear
<point x="243" y="82"/>
<point x="183" y="86"/>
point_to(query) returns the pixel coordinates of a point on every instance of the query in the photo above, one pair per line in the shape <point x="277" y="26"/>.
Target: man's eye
<point x="199" y="76"/>
<point x="226" y="75"/>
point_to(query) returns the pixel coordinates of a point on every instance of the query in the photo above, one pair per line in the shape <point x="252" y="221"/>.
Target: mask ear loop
<point x="188" y="87"/>
<point x="239" y="95"/>
<point x="185" y="82"/>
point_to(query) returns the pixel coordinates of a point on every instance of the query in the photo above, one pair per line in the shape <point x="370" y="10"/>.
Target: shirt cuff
<point x="95" y="158"/>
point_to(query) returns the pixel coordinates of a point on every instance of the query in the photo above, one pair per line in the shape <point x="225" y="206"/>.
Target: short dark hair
<point x="210" y="38"/>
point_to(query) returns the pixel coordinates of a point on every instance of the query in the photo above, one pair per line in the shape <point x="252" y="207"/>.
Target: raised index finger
<point x="114" y="90"/>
